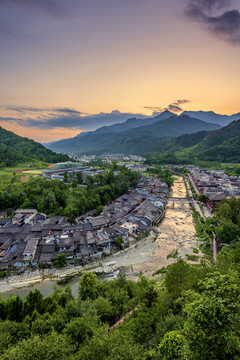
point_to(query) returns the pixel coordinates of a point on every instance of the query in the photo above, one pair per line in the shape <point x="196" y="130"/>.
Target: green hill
<point x="221" y="145"/>
<point x="15" y="149"/>
<point x="229" y="151"/>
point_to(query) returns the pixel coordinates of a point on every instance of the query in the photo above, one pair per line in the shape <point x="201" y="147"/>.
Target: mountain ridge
<point x="130" y="140"/>
<point x="217" y="145"/>
<point x="211" y="116"/>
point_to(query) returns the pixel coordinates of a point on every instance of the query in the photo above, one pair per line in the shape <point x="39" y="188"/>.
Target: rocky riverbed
<point x="175" y="233"/>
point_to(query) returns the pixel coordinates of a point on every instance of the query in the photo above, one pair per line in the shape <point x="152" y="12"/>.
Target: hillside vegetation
<point x="218" y="145"/>
<point x="15" y="149"/>
<point x="133" y="136"/>
<point x="191" y="312"/>
<point x="56" y="197"/>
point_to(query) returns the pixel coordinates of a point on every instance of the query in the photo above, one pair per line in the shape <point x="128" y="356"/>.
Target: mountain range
<point x="221" y="145"/>
<point x="135" y="136"/>
<point x="210" y="116"/>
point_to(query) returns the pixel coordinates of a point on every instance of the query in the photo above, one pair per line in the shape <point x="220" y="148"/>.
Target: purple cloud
<point x="174" y="107"/>
<point x="215" y="17"/>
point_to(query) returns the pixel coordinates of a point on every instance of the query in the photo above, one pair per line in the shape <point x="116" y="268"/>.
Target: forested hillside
<point x="130" y="138"/>
<point x="192" y="314"/>
<point x="218" y="145"/>
<point x="15" y="149"/>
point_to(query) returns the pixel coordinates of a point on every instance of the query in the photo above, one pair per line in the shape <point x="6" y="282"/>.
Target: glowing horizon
<point x="102" y="55"/>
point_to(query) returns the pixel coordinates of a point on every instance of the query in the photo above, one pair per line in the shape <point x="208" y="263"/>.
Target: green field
<point x="8" y="173"/>
<point x="32" y="172"/>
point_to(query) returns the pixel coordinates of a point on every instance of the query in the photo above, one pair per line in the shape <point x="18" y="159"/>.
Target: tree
<point x="70" y="212"/>
<point x="176" y="277"/>
<point x="211" y="318"/>
<point x="104" y="309"/>
<point x="33" y="301"/>
<point x="66" y="177"/>
<point x="81" y="329"/>
<point x="61" y="260"/>
<point x="79" y="177"/>
<point x="10" y="333"/>
<point x="14" y="308"/>
<point x="227" y="231"/>
<point x="119" y="242"/>
<point x="88" y="287"/>
<point x="173" y="346"/>
<point x="224" y="211"/>
<point x="202" y="198"/>
<point x="82" y="205"/>
<point x="50" y="347"/>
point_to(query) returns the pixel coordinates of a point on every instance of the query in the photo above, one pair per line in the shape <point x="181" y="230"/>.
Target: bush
<point x="61" y="260"/>
<point x="192" y="257"/>
<point x="173" y="254"/>
<point x="2" y="274"/>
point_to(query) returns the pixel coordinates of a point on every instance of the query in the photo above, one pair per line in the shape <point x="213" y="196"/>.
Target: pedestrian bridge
<point x="180" y="198"/>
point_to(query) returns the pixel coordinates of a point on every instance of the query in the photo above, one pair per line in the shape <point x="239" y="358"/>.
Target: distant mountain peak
<point x="167" y="112"/>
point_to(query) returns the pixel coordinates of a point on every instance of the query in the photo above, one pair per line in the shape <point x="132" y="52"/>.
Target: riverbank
<point x="176" y="233"/>
<point x="111" y="264"/>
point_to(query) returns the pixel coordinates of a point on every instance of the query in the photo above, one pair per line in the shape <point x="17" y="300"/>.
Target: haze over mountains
<point x="210" y="116"/>
<point x="139" y="136"/>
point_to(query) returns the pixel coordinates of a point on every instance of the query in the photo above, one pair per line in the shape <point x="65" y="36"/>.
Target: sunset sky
<point x="64" y="60"/>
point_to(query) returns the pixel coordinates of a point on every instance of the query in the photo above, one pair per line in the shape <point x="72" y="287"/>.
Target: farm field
<point x="30" y="172"/>
<point x="23" y="172"/>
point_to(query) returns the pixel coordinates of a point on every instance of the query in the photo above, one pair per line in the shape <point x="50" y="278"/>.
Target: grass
<point x="173" y="254"/>
<point x="32" y="172"/>
<point x="160" y="271"/>
<point x="192" y="257"/>
<point x="29" y="169"/>
<point x="206" y="250"/>
<point x="195" y="250"/>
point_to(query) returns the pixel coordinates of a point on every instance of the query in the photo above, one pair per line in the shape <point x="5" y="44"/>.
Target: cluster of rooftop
<point x="29" y="238"/>
<point x="108" y="158"/>
<point x="58" y="172"/>
<point x="215" y="185"/>
<point x="140" y="168"/>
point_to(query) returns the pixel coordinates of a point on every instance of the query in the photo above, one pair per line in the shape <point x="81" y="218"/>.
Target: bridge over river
<point x="180" y="198"/>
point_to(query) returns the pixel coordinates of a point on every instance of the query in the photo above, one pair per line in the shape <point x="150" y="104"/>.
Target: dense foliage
<point x="15" y="149"/>
<point x="194" y="314"/>
<point x="55" y="197"/>
<point x="225" y="223"/>
<point x="165" y="175"/>
<point x="221" y="145"/>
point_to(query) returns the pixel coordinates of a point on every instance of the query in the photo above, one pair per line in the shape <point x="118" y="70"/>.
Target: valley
<point x="175" y="232"/>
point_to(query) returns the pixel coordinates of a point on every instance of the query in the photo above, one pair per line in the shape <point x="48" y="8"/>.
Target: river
<point x="175" y="232"/>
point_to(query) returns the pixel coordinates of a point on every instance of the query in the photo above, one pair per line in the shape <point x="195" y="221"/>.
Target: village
<point x="214" y="184"/>
<point x="29" y="238"/>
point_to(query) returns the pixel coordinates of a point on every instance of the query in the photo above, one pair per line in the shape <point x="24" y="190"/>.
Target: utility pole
<point x="214" y="245"/>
